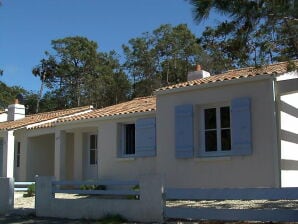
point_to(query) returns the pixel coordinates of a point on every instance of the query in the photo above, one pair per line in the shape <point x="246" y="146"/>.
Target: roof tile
<point x="277" y="68"/>
<point x="41" y="117"/>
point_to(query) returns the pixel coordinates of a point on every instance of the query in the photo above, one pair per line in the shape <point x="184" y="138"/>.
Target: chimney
<point x="197" y="74"/>
<point x="15" y="111"/>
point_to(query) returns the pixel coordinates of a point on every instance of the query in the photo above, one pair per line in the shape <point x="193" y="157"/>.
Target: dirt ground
<point x="24" y="212"/>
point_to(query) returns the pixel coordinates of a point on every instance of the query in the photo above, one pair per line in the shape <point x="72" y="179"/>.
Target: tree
<point x="255" y="32"/>
<point x="160" y="58"/>
<point x="8" y="95"/>
<point x="76" y="58"/>
<point x="46" y="72"/>
<point x="76" y="74"/>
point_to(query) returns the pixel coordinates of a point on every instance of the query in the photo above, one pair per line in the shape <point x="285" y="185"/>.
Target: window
<point x="217" y="129"/>
<point x="93" y="149"/>
<point x="129" y="139"/>
<point x="137" y="139"/>
<point x="18" y="155"/>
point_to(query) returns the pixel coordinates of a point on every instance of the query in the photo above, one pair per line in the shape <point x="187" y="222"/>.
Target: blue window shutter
<point x="145" y="137"/>
<point x="184" y="131"/>
<point x="241" y="126"/>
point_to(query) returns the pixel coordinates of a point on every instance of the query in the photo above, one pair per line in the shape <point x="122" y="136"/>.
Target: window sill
<point x="207" y="159"/>
<point x="126" y="159"/>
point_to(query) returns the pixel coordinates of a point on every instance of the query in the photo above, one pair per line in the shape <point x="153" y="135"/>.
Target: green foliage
<point x="112" y="219"/>
<point x="77" y="75"/>
<point x="93" y="187"/>
<point x="160" y="58"/>
<point x="30" y="191"/>
<point x="255" y="32"/>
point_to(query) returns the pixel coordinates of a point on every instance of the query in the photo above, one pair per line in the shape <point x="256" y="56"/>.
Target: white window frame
<point x="219" y="151"/>
<point x="18" y="155"/>
<point x="123" y="141"/>
<point x="90" y="149"/>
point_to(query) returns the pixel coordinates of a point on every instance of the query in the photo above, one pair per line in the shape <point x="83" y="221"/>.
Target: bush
<point x="93" y="187"/>
<point x="112" y="219"/>
<point x="30" y="191"/>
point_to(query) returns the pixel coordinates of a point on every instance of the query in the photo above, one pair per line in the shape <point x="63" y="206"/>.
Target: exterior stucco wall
<point x="40" y="156"/>
<point x="1" y="157"/>
<point x="69" y="157"/>
<point x="289" y="139"/>
<point x="256" y="170"/>
<point x="113" y="167"/>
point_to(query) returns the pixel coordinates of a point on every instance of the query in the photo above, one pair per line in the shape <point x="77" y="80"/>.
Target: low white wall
<point x="6" y="195"/>
<point x="148" y="209"/>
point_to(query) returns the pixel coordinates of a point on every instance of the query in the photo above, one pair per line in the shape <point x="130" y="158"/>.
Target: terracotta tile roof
<point x="277" y="68"/>
<point x="42" y="117"/>
<point x="137" y="105"/>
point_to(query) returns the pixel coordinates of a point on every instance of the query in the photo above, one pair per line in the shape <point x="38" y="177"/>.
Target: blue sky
<point x="28" y="26"/>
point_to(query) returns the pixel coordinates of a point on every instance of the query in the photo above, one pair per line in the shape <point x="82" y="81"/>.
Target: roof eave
<point x="215" y="84"/>
<point x="120" y="116"/>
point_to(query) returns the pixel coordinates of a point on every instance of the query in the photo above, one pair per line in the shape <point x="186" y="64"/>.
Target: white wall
<point x="69" y="157"/>
<point x="113" y="167"/>
<point x="1" y="157"/>
<point x="289" y="140"/>
<point x="257" y="170"/>
<point x="41" y="156"/>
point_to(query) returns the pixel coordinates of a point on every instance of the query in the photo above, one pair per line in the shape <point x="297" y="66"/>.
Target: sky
<point x="28" y="26"/>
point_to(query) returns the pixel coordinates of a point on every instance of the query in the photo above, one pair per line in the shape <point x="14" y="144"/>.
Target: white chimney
<point x="3" y="116"/>
<point x="197" y="74"/>
<point x="16" y="111"/>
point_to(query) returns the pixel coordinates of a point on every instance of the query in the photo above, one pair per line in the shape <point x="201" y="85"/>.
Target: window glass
<point x="18" y="154"/>
<point x="217" y="129"/>
<point x="210" y="118"/>
<point x="210" y="141"/>
<point x="92" y="157"/>
<point x="225" y="117"/>
<point x="226" y="139"/>
<point x="129" y="139"/>
<point x="93" y="141"/>
<point x="93" y="150"/>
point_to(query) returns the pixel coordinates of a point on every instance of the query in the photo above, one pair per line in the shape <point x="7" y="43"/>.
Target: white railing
<point x="22" y="186"/>
<point x="147" y="207"/>
<point x="74" y="187"/>
<point x="224" y="214"/>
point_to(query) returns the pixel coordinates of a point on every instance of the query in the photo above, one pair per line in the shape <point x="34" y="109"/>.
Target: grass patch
<point x="112" y="219"/>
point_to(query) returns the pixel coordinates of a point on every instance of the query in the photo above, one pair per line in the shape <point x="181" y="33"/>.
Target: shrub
<point x="93" y="187"/>
<point x="112" y="219"/>
<point x="30" y="191"/>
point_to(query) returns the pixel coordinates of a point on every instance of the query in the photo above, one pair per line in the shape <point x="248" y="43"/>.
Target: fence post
<point x="151" y="197"/>
<point x="43" y="196"/>
<point x="6" y="195"/>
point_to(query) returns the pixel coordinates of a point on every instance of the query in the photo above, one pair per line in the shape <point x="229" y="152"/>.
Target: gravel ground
<point x="24" y="209"/>
<point x="236" y="204"/>
<point x="28" y="203"/>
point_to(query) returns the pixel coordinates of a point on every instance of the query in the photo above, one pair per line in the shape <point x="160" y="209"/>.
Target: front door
<point x="91" y="162"/>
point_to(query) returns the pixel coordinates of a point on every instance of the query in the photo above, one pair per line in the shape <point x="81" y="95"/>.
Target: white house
<point x="236" y="129"/>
